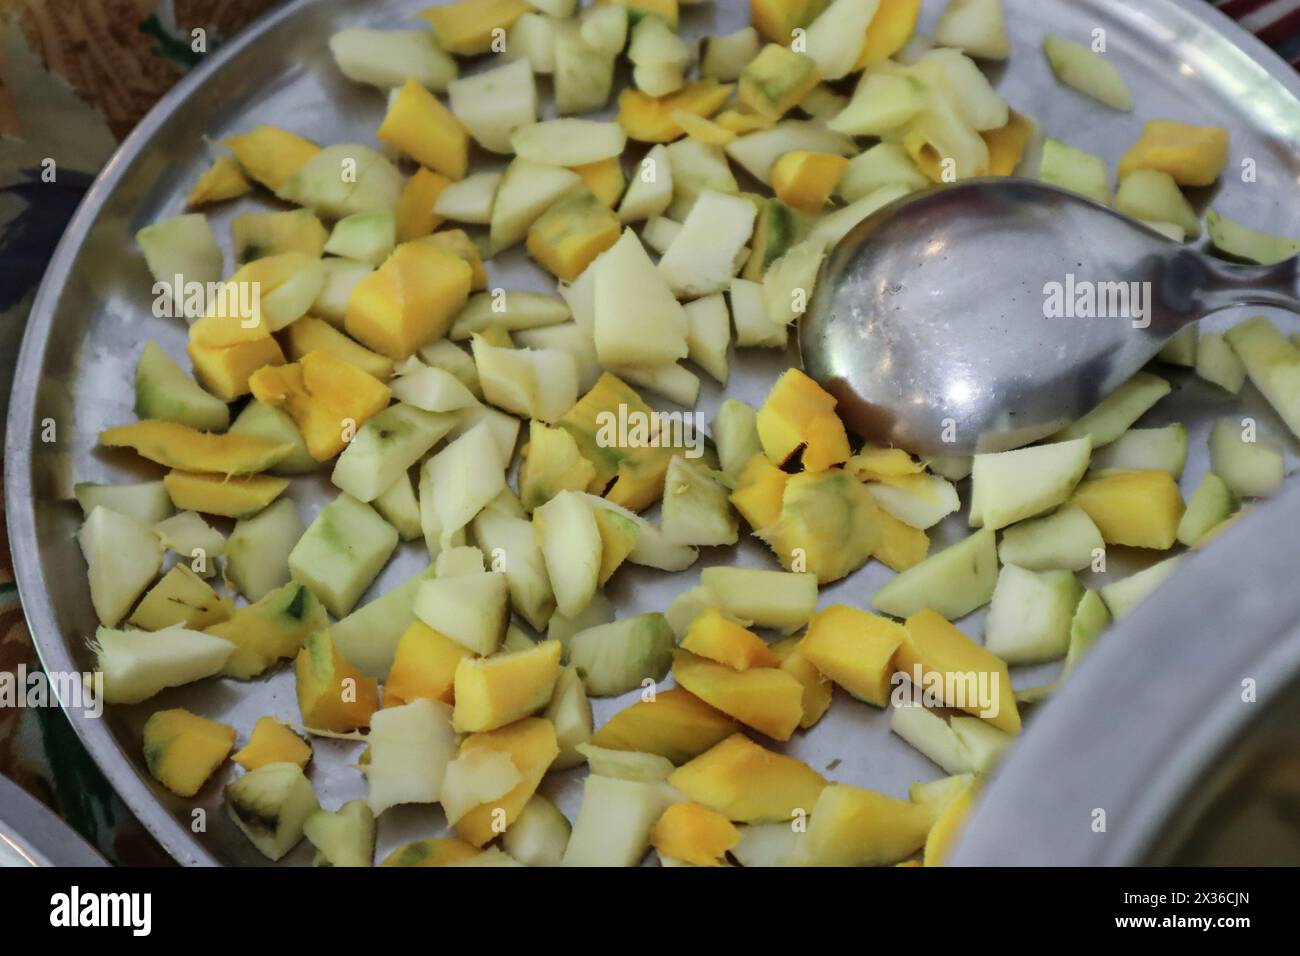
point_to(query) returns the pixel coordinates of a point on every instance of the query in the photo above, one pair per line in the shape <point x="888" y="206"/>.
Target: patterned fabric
<point x="75" y="77"/>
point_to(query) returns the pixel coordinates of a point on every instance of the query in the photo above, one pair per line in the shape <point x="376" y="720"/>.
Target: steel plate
<point x="92" y="315"/>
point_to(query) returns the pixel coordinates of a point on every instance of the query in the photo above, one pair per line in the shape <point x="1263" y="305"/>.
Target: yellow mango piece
<point x="948" y="826"/>
<point x="855" y="649"/>
<point x="765" y="698"/>
<point x="271" y="155"/>
<point x="759" y="490"/>
<point x="436" y="852"/>
<point x="409" y="301"/>
<point x="568" y="236"/>
<point x="181" y="599"/>
<point x="874" y="463"/>
<point x="1140" y="509"/>
<point x="618" y="535"/>
<point x="850" y="826"/>
<point x="723" y="641"/>
<point x="225" y="372"/>
<point x="937" y="647"/>
<point x="901" y="546"/>
<point x="636" y="470"/>
<point x="888" y="32"/>
<point x="419" y="126"/>
<point x="799" y="414"/>
<point x="1192" y="155"/>
<point x="676" y="725"/>
<point x="415" y="216"/>
<point x="650" y="120"/>
<point x="270" y="629"/>
<point x="741" y="122"/>
<point x="604" y="178"/>
<point x="466" y="27"/>
<point x="1007" y="144"/>
<point x="182" y="749"/>
<point x="186" y="448"/>
<point x="777" y="19"/>
<point x="332" y="694"/>
<point x="694" y="834"/>
<point x="805" y="180"/>
<point x="424" y="666"/>
<point x="219" y="495"/>
<point x="223" y="180"/>
<point x="531" y="744"/>
<point x="816" y="688"/>
<point x="234" y="315"/>
<point x="550" y="463"/>
<point x="498" y="690"/>
<point x="327" y="398"/>
<point x="457" y="243"/>
<point x="775" y="81"/>
<point x="272" y="742"/>
<point x="704" y="130"/>
<point x="749" y="784"/>
<point x="310" y="334"/>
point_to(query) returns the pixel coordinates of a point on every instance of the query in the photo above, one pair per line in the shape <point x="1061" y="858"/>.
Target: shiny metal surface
<point x="928" y="348"/>
<point x="92" y="315"/>
<point x="30" y="835"/>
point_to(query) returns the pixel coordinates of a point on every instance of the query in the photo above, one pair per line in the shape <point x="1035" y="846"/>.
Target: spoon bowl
<point x="988" y="314"/>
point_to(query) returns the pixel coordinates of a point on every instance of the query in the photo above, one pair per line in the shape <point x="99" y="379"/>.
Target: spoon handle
<point x="1224" y="285"/>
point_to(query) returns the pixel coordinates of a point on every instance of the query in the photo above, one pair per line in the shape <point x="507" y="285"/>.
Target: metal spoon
<point x="947" y="323"/>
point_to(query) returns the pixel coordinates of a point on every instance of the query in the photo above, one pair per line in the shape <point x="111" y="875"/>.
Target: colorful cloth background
<point x="75" y="77"/>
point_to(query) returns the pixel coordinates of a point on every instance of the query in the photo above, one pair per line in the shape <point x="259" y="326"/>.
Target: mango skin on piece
<point x="531" y="744"/>
<point x="765" y="698"/>
<point x="271" y="155"/>
<point x="694" y="834"/>
<point x="800" y="414"/>
<point x="855" y="649"/>
<point x="219" y="495"/>
<point x="332" y="694"/>
<point x="938" y="647"/>
<point x="572" y="233"/>
<point x="422" y="128"/>
<point x="1192" y="155"/>
<point x="676" y="725"/>
<point x="188" y="449"/>
<point x="326" y="397"/>
<point x="749" y="784"/>
<point x="409" y="301"/>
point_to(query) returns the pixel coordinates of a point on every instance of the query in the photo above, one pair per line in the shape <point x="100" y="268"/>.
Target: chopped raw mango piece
<point x="219" y="495"/>
<point x="272" y="742"/>
<point x="776" y="80"/>
<point x="748" y="784"/>
<point x="1193" y="155"/>
<point x="694" y="834"/>
<point x="531" y="744"/>
<point x="829" y="525"/>
<point x="332" y="694"/>
<point x="674" y="724"/>
<point x="491" y="692"/>
<point x="179" y="446"/>
<point x="225" y="372"/>
<point x="1136" y="508"/>
<point x="805" y="180"/>
<point x="724" y="641"/>
<point x="270" y="155"/>
<point x="572" y="233"/>
<point x="759" y="491"/>
<point x="650" y="120"/>
<point x="424" y="666"/>
<point x="468" y="27"/>
<point x="409" y="301"/>
<point x="854" y="649"/>
<point x="765" y="698"/>
<point x="182" y="749"/>
<point x="850" y="826"/>
<point x="937" y="651"/>
<point x="327" y="398"/>
<point x="799" y="417"/>
<point x="223" y="180"/>
<point x="415" y="216"/>
<point x="419" y="125"/>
